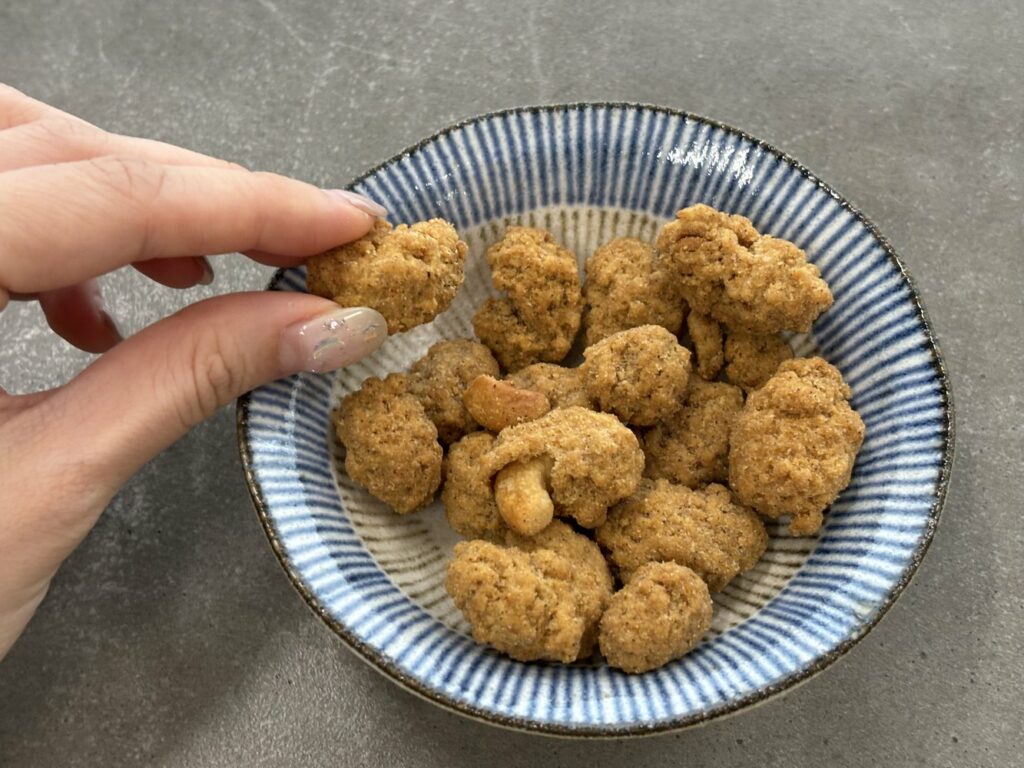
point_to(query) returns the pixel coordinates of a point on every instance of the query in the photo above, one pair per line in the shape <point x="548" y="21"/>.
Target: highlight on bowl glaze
<point x="590" y="172"/>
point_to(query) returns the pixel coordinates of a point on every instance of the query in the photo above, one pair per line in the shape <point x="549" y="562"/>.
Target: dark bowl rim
<point x="376" y="660"/>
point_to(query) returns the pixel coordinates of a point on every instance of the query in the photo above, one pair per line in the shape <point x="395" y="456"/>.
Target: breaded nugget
<point x="751" y="359"/>
<point x="793" y="445"/>
<point x="563" y="387"/>
<point x="594" y="461"/>
<point x="701" y="529"/>
<point x="391" y="446"/>
<point x="627" y="285"/>
<point x="467" y="495"/>
<point x="540" y="314"/>
<point x="708" y="342"/>
<point x="639" y="374"/>
<point x="521" y="603"/>
<point x="408" y="274"/>
<point x="590" y="576"/>
<point x="691" y="446"/>
<point x="747" y="281"/>
<point x="439" y="379"/>
<point x="659" y="616"/>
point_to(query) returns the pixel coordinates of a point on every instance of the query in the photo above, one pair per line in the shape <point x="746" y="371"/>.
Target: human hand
<point x="77" y="202"/>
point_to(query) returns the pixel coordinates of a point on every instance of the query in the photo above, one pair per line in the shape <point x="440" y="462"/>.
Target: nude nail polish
<point x="354" y="199"/>
<point x="332" y="340"/>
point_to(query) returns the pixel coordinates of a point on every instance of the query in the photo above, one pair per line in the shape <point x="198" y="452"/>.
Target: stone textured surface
<point x="173" y="638"/>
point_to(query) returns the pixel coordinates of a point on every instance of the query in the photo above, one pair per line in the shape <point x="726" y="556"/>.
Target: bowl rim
<point x="377" y="661"/>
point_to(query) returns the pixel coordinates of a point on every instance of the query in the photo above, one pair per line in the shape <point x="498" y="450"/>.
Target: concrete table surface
<point x="172" y="636"/>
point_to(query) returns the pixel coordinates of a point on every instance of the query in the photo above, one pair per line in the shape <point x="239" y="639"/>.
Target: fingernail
<point x="364" y="204"/>
<point x="332" y="340"/>
<point x="111" y="325"/>
<point x="207" y="270"/>
<point x="99" y="306"/>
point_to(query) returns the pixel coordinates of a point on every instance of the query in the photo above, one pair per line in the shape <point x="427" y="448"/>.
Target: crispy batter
<point x="596" y="460"/>
<point x="751" y="359"/>
<point x="563" y="387"/>
<point x="794" y="444"/>
<point x="499" y="404"/>
<point x="691" y="446"/>
<point x="659" y="616"/>
<point x="701" y="529"/>
<point x="408" y="274"/>
<point x="590" y="576"/>
<point x="391" y="446"/>
<point x="628" y="285"/>
<point x="522" y="603"/>
<point x="540" y="314"/>
<point x="639" y="374"/>
<point x="467" y="495"/>
<point x="706" y="336"/>
<point x="439" y="379"/>
<point x="747" y="281"/>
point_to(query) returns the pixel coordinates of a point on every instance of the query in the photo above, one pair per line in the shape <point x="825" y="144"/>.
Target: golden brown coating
<point x="409" y="274"/>
<point x="659" y="616"/>
<point x="523" y="604"/>
<point x="794" y="444"/>
<point x="540" y="314"/>
<point x="708" y="343"/>
<point x="747" y="281"/>
<point x="751" y="359"/>
<point x="628" y="285"/>
<point x="439" y="379"/>
<point x="498" y="404"/>
<point x="590" y="576"/>
<point x="595" y="460"/>
<point x="563" y="387"/>
<point x="467" y="495"/>
<point x="639" y="374"/>
<point x="701" y="529"/>
<point x="691" y="446"/>
<point x="391" y="446"/>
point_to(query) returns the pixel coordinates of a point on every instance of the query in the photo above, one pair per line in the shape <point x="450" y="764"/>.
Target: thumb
<point x="149" y="390"/>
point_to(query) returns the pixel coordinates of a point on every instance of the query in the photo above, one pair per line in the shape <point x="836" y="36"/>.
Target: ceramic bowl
<point x="590" y="172"/>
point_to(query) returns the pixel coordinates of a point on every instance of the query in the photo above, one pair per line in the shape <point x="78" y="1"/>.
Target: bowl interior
<point x="590" y="173"/>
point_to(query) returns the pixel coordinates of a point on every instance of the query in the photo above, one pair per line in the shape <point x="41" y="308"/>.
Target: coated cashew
<point x="497" y="404"/>
<point x="521" y="492"/>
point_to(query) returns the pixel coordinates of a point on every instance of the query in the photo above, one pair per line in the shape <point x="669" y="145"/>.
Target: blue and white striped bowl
<point x="590" y="173"/>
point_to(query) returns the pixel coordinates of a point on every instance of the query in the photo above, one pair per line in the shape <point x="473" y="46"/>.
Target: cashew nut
<point x="495" y="404"/>
<point x="521" y="492"/>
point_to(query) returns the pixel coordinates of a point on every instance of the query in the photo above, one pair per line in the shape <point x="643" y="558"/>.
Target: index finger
<point x="62" y="224"/>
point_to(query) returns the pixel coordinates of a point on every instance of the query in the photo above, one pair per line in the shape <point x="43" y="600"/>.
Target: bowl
<point x="590" y="172"/>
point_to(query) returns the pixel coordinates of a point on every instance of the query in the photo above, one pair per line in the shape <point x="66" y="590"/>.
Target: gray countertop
<point x="172" y="637"/>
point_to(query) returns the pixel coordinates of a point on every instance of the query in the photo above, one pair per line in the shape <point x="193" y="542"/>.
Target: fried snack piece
<point x="703" y="530"/>
<point x="439" y="379"/>
<point x="691" y="446"/>
<point x="540" y="315"/>
<point x="391" y="446"/>
<point x="467" y="495"/>
<point x="563" y="387"/>
<point x="595" y="461"/>
<point x="524" y="604"/>
<point x="498" y="404"/>
<point x="794" y="444"/>
<point x="590" y="576"/>
<point x="751" y="359"/>
<point x="627" y="285"/>
<point x="748" y="282"/>
<point x="639" y="374"/>
<point x="409" y="274"/>
<point x="659" y="616"/>
<point x="706" y="336"/>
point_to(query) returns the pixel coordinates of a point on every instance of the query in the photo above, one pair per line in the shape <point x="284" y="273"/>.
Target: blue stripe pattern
<point x="377" y="578"/>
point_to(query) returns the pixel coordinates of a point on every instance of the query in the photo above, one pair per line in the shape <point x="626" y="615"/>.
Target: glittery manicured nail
<point x="364" y="204"/>
<point x="332" y="340"/>
<point x="207" y="273"/>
